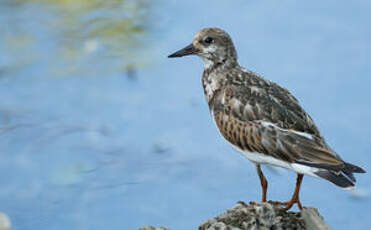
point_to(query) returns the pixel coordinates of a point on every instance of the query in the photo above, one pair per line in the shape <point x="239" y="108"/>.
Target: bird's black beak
<point x="188" y="50"/>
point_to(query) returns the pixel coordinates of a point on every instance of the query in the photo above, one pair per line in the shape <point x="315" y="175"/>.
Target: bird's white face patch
<point x="209" y="49"/>
<point x="207" y="54"/>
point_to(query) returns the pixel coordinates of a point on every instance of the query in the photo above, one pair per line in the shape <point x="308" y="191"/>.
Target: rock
<point x="265" y="217"/>
<point x="153" y="228"/>
<point x="313" y="220"/>
<point x="4" y="222"/>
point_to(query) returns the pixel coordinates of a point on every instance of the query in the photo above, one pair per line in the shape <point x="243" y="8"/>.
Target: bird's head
<point x="213" y="45"/>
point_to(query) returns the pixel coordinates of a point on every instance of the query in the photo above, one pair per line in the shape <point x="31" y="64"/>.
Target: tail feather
<point x="350" y="175"/>
<point x="349" y="169"/>
<point x="353" y="168"/>
<point x="343" y="178"/>
<point x="338" y="179"/>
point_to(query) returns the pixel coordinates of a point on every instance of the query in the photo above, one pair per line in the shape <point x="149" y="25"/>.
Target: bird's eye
<point x="208" y="40"/>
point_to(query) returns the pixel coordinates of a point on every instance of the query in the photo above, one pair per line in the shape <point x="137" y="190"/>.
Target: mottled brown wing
<point x="251" y="120"/>
<point x="254" y="98"/>
<point x="272" y="141"/>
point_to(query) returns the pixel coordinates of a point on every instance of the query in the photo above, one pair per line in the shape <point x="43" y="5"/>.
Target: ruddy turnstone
<point x="261" y="119"/>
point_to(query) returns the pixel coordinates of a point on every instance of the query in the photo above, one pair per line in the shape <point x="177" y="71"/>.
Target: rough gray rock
<point x="313" y="220"/>
<point x="265" y="217"/>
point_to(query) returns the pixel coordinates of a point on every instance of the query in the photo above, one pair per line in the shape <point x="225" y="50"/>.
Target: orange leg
<point x="295" y="196"/>
<point x="264" y="183"/>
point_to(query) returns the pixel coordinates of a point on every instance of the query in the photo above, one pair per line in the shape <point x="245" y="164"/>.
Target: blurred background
<point x="99" y="130"/>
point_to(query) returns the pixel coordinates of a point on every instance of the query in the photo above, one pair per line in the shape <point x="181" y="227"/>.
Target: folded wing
<point x="255" y="119"/>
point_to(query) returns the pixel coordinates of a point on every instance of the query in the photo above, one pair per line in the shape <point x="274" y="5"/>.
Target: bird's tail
<point x="343" y="178"/>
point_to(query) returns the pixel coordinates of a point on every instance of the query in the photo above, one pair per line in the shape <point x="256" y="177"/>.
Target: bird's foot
<point x="287" y="205"/>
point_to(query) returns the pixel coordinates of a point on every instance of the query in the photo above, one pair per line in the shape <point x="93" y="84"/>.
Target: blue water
<point x="99" y="134"/>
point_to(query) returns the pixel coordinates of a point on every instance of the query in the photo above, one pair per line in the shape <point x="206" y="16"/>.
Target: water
<point x="99" y="130"/>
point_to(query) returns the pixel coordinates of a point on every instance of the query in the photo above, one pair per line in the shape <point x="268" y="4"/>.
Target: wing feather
<point x="265" y="118"/>
<point x="256" y="115"/>
<point x="270" y="140"/>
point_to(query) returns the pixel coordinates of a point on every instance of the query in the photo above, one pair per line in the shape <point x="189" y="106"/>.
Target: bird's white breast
<point x="211" y="85"/>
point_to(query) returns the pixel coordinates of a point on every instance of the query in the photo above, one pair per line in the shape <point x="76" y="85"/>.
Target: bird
<point x="262" y="120"/>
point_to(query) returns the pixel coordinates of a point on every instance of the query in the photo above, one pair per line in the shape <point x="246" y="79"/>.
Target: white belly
<point x="259" y="158"/>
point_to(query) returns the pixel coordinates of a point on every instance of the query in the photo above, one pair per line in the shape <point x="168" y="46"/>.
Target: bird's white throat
<point x="207" y="63"/>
